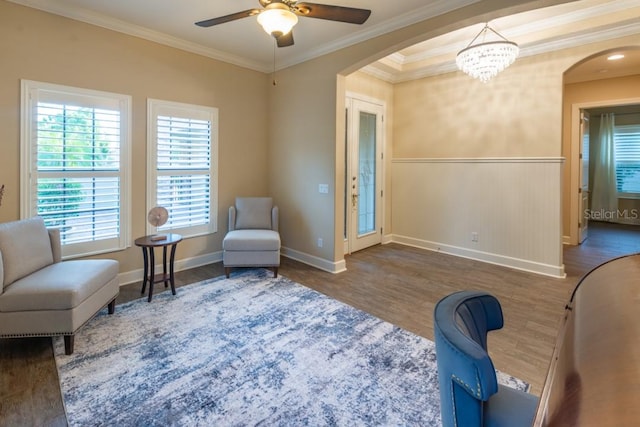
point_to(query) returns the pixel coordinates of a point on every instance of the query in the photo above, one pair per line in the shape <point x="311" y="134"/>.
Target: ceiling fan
<point x="279" y="16"/>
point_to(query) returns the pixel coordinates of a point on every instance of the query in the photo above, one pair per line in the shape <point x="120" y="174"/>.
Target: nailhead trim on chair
<point x="468" y="388"/>
<point x="57" y="334"/>
<point x="453" y="406"/>
<point x="476" y="392"/>
<point x="41" y="334"/>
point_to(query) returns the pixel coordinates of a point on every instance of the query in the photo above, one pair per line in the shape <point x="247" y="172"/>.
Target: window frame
<point x="31" y="93"/>
<point x="155" y="108"/>
<point x="636" y="127"/>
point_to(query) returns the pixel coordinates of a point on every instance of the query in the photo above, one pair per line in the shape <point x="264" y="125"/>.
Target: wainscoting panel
<point x="505" y="211"/>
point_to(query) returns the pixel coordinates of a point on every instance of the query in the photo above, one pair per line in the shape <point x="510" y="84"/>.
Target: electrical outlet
<point x="320" y="242"/>
<point x="474" y="236"/>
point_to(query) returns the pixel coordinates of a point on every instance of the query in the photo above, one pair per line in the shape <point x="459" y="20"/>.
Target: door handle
<point x="354" y="199"/>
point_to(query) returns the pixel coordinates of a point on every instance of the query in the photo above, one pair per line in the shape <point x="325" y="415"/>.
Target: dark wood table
<point x="593" y="376"/>
<point x="148" y="244"/>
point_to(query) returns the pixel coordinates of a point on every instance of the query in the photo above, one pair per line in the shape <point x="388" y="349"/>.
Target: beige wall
<point x="39" y="46"/>
<point x="594" y="93"/>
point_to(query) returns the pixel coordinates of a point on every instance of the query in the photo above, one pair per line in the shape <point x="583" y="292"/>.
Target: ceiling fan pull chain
<point x="275" y="82"/>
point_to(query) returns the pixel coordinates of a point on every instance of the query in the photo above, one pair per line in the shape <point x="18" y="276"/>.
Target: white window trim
<point x="190" y="111"/>
<point x="28" y="204"/>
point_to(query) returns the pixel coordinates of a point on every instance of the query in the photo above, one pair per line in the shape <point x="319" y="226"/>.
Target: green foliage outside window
<point x="71" y="140"/>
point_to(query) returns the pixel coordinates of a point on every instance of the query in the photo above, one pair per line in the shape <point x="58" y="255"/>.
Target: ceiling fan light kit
<point x="277" y="20"/>
<point x="484" y="60"/>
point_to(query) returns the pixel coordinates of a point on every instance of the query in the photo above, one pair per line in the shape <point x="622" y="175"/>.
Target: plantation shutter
<point x="627" y="158"/>
<point x="183" y="159"/>
<point x="75" y="151"/>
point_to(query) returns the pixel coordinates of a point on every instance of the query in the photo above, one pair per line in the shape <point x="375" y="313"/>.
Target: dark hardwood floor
<point x="397" y="283"/>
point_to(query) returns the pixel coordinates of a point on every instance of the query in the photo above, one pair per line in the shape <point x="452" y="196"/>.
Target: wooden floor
<point x="397" y="283"/>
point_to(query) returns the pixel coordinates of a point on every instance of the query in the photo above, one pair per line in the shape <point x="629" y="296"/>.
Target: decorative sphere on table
<point x="157" y="217"/>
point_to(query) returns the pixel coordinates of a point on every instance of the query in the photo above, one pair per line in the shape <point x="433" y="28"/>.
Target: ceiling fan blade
<point x="285" y="40"/>
<point x="350" y="15"/>
<point x="227" y="18"/>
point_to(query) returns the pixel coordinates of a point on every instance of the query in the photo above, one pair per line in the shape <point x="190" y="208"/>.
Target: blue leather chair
<point x="469" y="391"/>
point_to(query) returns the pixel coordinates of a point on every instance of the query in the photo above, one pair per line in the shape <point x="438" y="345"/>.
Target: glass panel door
<point x="364" y="174"/>
<point x="367" y="174"/>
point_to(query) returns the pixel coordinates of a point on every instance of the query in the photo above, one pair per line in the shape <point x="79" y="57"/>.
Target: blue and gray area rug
<point x="250" y="350"/>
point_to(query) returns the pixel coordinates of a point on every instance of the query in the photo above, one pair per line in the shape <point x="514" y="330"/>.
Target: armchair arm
<point x="56" y="247"/>
<point x="232" y="218"/>
<point x="274" y="218"/>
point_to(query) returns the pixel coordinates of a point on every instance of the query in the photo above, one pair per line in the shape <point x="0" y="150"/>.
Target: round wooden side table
<point x="148" y="244"/>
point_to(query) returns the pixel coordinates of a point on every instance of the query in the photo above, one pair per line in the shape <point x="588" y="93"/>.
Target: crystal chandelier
<point x="485" y="59"/>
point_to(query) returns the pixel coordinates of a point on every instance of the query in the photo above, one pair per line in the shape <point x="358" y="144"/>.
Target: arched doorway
<point x="598" y="85"/>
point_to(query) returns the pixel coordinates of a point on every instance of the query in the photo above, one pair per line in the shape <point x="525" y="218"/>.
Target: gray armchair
<point x="41" y="295"/>
<point x="253" y="239"/>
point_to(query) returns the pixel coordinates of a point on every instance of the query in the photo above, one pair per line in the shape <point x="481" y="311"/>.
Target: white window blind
<point x="627" y="158"/>
<point x="75" y="154"/>
<point x="183" y="166"/>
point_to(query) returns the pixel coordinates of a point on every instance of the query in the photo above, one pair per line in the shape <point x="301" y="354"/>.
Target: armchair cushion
<point x="25" y="247"/>
<point x="253" y="212"/>
<point x="251" y="240"/>
<point x="510" y="407"/>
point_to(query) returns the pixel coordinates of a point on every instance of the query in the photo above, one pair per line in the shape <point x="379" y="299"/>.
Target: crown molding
<point x="572" y="17"/>
<point x="614" y="31"/>
<point x="374" y="71"/>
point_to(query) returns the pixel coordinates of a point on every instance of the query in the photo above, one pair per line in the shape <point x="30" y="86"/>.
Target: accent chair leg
<point x="227" y="271"/>
<point x="68" y="344"/>
<point x="275" y="271"/>
<point x="112" y="306"/>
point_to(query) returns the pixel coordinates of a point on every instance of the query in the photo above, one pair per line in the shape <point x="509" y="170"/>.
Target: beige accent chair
<point x="253" y="239"/>
<point x="40" y="295"/>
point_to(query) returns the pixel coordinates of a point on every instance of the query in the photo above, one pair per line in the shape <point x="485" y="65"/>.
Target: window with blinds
<point x="75" y="155"/>
<point x="183" y="166"/>
<point x="627" y="158"/>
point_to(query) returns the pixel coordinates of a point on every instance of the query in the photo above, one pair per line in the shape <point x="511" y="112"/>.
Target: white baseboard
<point x="182" y="264"/>
<point x="185" y="264"/>
<point x="314" y="261"/>
<point x="505" y="261"/>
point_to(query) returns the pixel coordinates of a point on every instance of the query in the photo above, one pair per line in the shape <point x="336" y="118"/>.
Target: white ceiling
<point x="244" y="43"/>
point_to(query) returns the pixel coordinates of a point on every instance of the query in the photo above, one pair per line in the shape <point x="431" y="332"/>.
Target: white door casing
<point x="364" y="173"/>
<point x="583" y="221"/>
